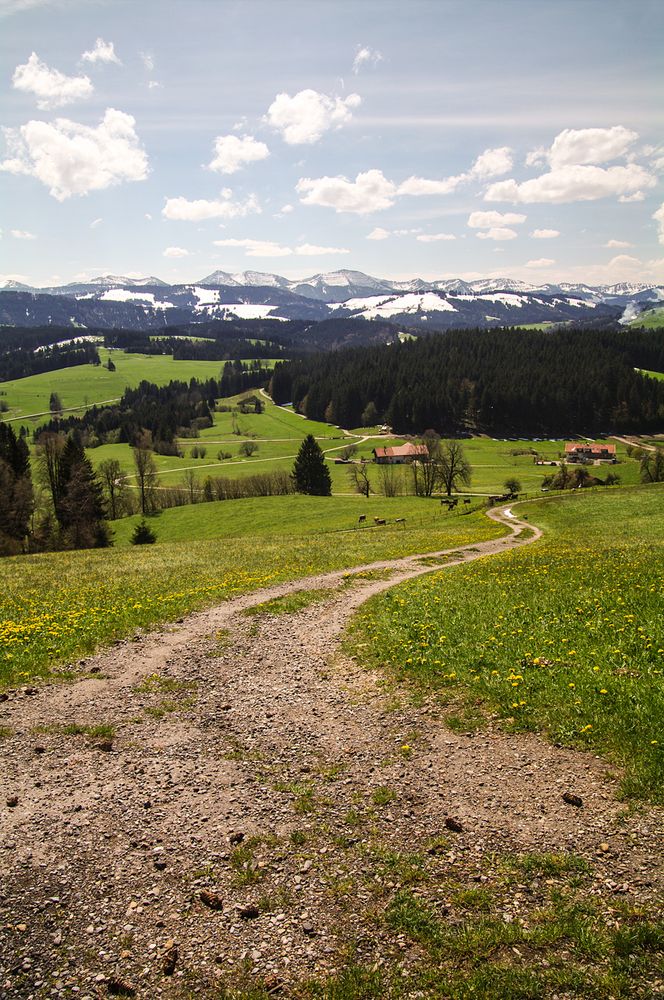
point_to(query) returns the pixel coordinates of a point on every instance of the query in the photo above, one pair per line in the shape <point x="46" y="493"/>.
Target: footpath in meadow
<point x="231" y="800"/>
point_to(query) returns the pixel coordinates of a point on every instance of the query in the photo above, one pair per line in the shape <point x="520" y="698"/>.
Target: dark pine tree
<point x="16" y="499"/>
<point x="310" y="471"/>
<point x="81" y="509"/>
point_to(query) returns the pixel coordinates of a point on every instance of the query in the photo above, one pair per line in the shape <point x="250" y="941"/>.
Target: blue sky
<point x="434" y="139"/>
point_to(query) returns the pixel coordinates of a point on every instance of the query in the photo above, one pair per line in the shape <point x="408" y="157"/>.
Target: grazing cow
<point x="379" y="520"/>
<point x="362" y="518"/>
<point x="400" y="520"/>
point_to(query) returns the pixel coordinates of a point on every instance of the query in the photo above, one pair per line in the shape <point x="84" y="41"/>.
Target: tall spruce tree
<point x="310" y="472"/>
<point x="80" y="511"/>
<point x="16" y="497"/>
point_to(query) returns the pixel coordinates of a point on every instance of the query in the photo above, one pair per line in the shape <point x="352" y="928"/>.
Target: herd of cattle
<point x="449" y="502"/>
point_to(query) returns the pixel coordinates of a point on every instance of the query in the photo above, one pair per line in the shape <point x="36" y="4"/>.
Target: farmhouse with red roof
<point x="586" y="451"/>
<point x="400" y="454"/>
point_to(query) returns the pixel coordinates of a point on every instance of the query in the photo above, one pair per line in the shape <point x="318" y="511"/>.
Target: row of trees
<point x="502" y="382"/>
<point x="20" y="362"/>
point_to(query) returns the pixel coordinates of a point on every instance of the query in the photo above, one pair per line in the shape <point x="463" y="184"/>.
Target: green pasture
<point x="291" y="515"/>
<point x="657" y="375"/>
<point x="565" y="636"/>
<point x="85" y="385"/>
<point x="651" y="319"/>
<point x="538" y="326"/>
<point x="58" y="606"/>
<point x="278" y="431"/>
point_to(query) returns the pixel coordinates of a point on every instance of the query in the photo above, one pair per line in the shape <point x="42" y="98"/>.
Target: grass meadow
<point x="85" y="385"/>
<point x="59" y="606"/>
<point x="564" y="637"/>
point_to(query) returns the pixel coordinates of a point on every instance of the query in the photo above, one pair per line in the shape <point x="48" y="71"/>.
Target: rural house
<point x="400" y="454"/>
<point x="588" y="452"/>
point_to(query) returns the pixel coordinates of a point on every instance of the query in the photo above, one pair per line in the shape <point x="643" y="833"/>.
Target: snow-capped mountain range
<point x="114" y="301"/>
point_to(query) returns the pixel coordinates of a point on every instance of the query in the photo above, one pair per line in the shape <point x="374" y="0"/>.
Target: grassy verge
<point x="565" y="636"/>
<point x="56" y="607"/>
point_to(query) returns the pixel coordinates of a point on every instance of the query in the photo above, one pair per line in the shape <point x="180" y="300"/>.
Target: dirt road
<point x="233" y="818"/>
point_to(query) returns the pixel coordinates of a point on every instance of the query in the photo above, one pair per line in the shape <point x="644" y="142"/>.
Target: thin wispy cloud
<point x="365" y="56"/>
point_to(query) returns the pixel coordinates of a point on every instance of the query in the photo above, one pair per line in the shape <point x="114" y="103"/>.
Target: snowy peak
<point x="9" y="285"/>
<point x="246" y="279"/>
<point x="120" y="281"/>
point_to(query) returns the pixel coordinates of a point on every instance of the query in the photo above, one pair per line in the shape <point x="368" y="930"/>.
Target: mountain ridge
<point x="112" y="301"/>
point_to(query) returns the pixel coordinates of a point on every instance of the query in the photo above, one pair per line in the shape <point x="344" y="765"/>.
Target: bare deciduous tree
<point x="146" y="475"/>
<point x="359" y="477"/>
<point x="455" y="469"/>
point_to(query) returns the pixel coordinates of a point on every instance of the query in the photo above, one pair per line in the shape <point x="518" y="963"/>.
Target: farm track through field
<point x="244" y="756"/>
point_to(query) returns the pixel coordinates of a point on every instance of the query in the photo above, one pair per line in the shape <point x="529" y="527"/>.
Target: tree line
<point x="21" y="362"/>
<point x="501" y="382"/>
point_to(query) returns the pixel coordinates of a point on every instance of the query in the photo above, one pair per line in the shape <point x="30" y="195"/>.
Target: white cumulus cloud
<point x="492" y="162"/>
<point x="497" y="233"/>
<point x="175" y="252"/>
<point x="487" y="220"/>
<point x="95" y="223"/>
<point x="103" y="52"/>
<point x="658" y="216"/>
<point x="22" y="234"/>
<point x="435" y="237"/>
<point x="365" y="56"/>
<point x="590" y="145"/>
<point x="267" y="248"/>
<point x="311" y="250"/>
<point x="545" y="234"/>
<point x="74" y="159"/>
<point x="379" y="234"/>
<point x="231" y="153"/>
<point x="540" y="262"/>
<point x="618" y="244"/>
<point x="51" y="87"/>
<point x="183" y="210"/>
<point x="419" y="186"/>
<point x="573" y="183"/>
<point x="256" y="248"/>
<point x="305" y="117"/>
<point x="626" y="199"/>
<point x="371" y="191"/>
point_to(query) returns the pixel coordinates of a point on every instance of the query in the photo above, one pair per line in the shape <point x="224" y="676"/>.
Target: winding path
<point x="258" y="731"/>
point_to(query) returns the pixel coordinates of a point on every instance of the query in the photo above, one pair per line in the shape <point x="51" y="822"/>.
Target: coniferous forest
<point x="491" y="381"/>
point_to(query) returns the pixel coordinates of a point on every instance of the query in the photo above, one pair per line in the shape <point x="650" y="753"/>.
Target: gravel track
<point x="246" y="762"/>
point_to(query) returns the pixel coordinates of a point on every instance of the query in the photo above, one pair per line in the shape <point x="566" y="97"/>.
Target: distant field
<point x="652" y="319"/>
<point x="85" y="385"/>
<point x="538" y="326"/>
<point x="565" y="636"/>
<point x="658" y="375"/>
<point x="59" y="606"/>
<point x="278" y="432"/>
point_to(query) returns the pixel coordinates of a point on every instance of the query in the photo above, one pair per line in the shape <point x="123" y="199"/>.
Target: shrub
<point x="143" y="535"/>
